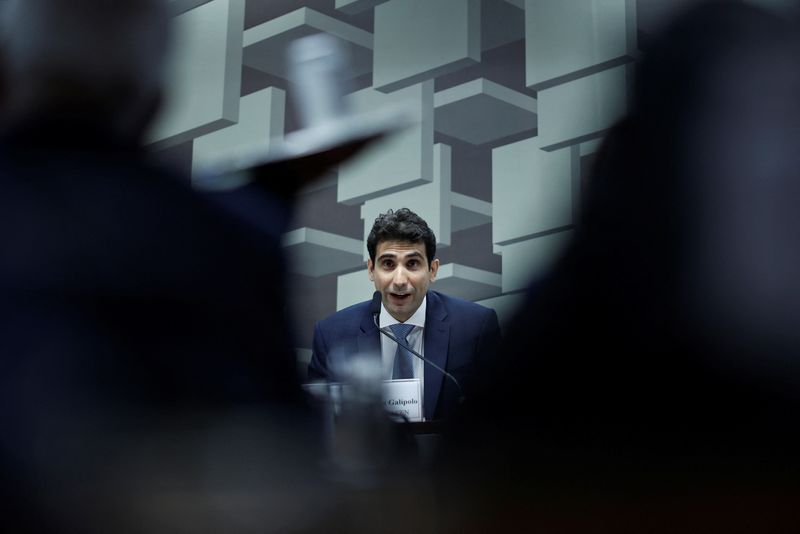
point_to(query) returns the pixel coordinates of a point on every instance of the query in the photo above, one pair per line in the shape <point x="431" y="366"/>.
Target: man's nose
<point x="400" y="277"/>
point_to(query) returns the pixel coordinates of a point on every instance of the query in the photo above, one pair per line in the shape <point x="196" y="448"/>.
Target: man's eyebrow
<point x="415" y="255"/>
<point x="393" y="255"/>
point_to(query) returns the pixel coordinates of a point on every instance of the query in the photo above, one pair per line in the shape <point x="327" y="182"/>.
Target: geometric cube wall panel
<point x="589" y="147"/>
<point x="566" y="39"/>
<point x="417" y="40"/>
<point x="527" y="260"/>
<point x="481" y="111"/>
<point x="531" y="190"/>
<point x="468" y="212"/>
<point x="351" y="7"/>
<point x="430" y="201"/>
<point x="578" y="110"/>
<point x="403" y="160"/>
<point x="265" y="45"/>
<point x="352" y="288"/>
<point x="176" y="7"/>
<point x="317" y="253"/>
<point x="466" y="282"/>
<point x="261" y="118"/>
<point x="501" y="23"/>
<point x="205" y="76"/>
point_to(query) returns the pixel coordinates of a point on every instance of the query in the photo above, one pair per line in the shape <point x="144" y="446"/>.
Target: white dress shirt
<point x="416" y="340"/>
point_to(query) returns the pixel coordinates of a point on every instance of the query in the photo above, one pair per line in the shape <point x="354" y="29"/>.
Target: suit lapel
<point x="437" y="341"/>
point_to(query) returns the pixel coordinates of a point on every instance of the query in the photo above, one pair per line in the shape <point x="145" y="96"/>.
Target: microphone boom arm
<point x="420" y="356"/>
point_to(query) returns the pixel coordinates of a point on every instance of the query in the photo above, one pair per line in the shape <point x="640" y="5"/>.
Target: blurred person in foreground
<point x="146" y="378"/>
<point x="652" y="382"/>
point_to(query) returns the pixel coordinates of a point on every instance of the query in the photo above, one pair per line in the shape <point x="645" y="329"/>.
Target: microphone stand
<point x="461" y="396"/>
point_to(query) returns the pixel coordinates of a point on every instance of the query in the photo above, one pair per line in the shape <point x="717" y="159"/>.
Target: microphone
<point x="375" y="309"/>
<point x="375" y="305"/>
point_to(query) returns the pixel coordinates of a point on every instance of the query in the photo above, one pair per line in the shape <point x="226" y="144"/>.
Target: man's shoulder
<point x="346" y="316"/>
<point x="457" y="305"/>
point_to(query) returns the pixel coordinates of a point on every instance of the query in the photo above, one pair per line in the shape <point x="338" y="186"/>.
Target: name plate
<point x="403" y="398"/>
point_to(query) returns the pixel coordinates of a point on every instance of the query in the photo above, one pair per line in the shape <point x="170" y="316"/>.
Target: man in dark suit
<point x="454" y="334"/>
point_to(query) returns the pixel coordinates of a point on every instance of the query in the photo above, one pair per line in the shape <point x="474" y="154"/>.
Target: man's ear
<point x="434" y="269"/>
<point x="370" y="270"/>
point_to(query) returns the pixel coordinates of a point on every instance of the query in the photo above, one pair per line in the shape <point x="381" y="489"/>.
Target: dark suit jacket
<point x="460" y="336"/>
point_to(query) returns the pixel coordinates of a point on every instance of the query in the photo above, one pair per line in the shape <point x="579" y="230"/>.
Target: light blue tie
<point x="403" y="367"/>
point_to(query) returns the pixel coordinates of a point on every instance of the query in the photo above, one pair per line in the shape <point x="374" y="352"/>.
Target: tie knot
<point x="401" y="330"/>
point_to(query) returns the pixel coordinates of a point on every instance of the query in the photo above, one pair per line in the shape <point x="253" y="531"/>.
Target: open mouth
<point x="400" y="298"/>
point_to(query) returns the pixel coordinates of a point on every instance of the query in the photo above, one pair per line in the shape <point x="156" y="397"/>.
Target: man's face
<point x="402" y="275"/>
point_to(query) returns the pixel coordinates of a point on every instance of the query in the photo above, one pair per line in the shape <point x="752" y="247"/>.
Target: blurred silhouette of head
<point x="695" y="196"/>
<point x="669" y="332"/>
<point x="741" y="163"/>
<point x="95" y="61"/>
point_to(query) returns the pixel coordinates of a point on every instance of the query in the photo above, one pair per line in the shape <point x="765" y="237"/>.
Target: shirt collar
<point x="418" y="319"/>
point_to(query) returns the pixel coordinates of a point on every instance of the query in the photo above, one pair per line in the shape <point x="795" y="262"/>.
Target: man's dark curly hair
<point x="401" y="225"/>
